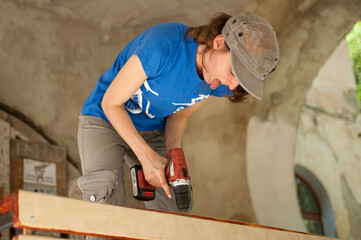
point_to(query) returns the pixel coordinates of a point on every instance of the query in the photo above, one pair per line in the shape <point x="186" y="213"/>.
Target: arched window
<point x="310" y="207"/>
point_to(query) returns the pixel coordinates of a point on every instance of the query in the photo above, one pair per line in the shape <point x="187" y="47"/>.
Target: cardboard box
<point x="38" y="167"/>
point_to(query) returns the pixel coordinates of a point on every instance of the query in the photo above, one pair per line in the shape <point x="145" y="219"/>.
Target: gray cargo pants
<point x="102" y="154"/>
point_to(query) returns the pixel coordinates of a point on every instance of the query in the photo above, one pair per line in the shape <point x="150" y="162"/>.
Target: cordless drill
<point x="177" y="176"/>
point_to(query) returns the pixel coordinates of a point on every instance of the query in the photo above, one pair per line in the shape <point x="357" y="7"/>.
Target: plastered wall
<point x="304" y="51"/>
<point x="328" y="142"/>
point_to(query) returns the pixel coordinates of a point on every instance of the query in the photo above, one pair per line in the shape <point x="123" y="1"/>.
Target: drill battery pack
<point x="142" y="190"/>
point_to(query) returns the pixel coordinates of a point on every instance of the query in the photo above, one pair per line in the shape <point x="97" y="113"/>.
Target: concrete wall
<point x="241" y="156"/>
<point x="328" y="141"/>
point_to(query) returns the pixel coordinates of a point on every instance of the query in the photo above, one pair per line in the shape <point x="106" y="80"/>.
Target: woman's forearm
<point x="174" y="129"/>
<point x="153" y="164"/>
<point x="122" y="123"/>
<point x="176" y="124"/>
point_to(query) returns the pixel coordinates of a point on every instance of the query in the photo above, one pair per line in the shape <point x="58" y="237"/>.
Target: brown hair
<point x="205" y="34"/>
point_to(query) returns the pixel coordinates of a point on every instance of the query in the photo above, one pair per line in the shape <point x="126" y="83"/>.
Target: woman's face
<point x="217" y="67"/>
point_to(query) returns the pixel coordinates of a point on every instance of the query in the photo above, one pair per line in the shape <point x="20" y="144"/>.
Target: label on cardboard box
<point x="39" y="172"/>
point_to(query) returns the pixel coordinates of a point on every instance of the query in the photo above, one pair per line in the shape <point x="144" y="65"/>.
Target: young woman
<point x="140" y="106"/>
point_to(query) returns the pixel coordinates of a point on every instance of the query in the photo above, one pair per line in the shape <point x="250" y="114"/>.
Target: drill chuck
<point x="183" y="196"/>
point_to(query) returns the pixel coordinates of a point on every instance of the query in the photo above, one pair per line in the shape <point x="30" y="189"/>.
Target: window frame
<point x="309" y="215"/>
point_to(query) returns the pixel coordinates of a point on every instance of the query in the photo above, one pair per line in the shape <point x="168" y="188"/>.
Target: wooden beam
<point x="51" y="213"/>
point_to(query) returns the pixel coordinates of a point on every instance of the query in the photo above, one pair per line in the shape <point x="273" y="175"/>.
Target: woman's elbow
<point x="106" y="106"/>
<point x="109" y="106"/>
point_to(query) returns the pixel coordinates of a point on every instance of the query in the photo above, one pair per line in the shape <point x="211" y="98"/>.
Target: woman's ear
<point x="219" y="42"/>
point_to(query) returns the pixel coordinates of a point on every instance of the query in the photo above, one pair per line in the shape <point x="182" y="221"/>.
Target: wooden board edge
<point x="16" y="221"/>
<point x="6" y="203"/>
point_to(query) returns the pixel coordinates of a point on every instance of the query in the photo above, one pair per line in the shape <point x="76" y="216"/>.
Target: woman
<point x="140" y="106"/>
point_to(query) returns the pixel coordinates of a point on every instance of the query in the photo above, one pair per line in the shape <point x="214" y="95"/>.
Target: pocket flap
<point x="97" y="186"/>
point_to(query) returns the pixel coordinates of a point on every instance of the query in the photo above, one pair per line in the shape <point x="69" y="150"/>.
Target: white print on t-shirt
<point x="147" y="111"/>
<point x="193" y="101"/>
<point x="146" y="85"/>
<point x="134" y="105"/>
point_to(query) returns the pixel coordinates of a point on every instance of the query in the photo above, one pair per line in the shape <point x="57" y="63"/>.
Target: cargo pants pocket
<point x="98" y="186"/>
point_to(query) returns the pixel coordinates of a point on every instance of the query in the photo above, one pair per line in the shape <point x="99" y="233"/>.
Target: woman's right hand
<point x="154" y="172"/>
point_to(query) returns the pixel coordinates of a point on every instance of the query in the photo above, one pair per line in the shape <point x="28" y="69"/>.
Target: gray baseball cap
<point x="254" y="50"/>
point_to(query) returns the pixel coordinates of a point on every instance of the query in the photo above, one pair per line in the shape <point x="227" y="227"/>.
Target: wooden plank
<point x="45" y="212"/>
<point x="33" y="237"/>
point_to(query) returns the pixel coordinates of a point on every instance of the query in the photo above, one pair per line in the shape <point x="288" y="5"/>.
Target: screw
<point x="32" y="218"/>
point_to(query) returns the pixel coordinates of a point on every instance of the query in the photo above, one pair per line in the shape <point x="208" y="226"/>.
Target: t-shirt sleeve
<point x="153" y="51"/>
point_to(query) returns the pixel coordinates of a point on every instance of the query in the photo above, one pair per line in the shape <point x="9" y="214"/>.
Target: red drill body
<point x="178" y="178"/>
<point x="176" y="171"/>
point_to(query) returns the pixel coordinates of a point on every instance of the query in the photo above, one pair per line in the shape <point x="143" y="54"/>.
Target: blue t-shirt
<point x="173" y="84"/>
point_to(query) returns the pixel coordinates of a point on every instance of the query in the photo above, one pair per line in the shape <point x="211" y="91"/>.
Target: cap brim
<point x="246" y="79"/>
